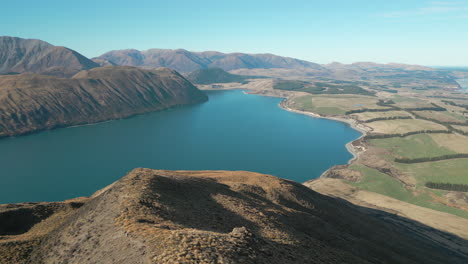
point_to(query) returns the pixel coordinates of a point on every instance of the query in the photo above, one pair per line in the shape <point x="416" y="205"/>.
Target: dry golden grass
<point x="403" y="126"/>
<point x="454" y="142"/>
<point x="462" y="128"/>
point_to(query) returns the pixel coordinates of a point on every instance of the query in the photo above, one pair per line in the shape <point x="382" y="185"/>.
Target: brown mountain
<point x="19" y="55"/>
<point x="187" y="61"/>
<point x="30" y="102"/>
<point x="154" y="216"/>
<point x="270" y="65"/>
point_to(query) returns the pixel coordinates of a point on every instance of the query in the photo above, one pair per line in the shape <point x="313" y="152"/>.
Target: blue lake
<point x="232" y="131"/>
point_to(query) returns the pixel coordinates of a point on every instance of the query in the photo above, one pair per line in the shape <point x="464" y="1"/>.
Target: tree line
<point x="444" y="123"/>
<point x="380" y="136"/>
<point x="386" y="118"/>
<point x="357" y="111"/>
<point x="433" y="108"/>
<point x="426" y="159"/>
<point x="455" y="104"/>
<point x="459" y="131"/>
<point x="447" y="186"/>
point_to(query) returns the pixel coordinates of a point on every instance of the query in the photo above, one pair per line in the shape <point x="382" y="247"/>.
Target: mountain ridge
<point x="230" y="61"/>
<point x="160" y="216"/>
<point x="186" y="61"/>
<point x="20" y="55"/>
<point x="31" y="102"/>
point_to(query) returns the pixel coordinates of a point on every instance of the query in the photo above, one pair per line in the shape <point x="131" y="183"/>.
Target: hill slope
<point x="215" y="217"/>
<point x="30" y="102"/>
<point x="187" y="61"/>
<point x="19" y="55"/>
<point x="215" y="75"/>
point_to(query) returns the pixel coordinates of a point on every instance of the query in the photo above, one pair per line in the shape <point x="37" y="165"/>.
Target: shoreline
<point x="351" y="122"/>
<point x="283" y="105"/>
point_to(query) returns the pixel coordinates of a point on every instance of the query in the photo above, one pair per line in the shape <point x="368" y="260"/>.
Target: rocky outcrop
<point x="154" y="216"/>
<point x="30" y="102"/>
<point x="19" y="55"/>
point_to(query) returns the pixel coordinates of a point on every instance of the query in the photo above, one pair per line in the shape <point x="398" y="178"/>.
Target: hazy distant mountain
<point x="32" y="102"/>
<point x="19" y="55"/>
<point x="186" y="61"/>
<point x="366" y="66"/>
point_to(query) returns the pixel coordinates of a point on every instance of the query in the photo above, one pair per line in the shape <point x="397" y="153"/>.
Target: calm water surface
<point x="233" y="131"/>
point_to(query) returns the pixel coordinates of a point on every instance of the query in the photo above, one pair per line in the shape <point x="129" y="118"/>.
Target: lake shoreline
<point x="351" y="122"/>
<point x="284" y="104"/>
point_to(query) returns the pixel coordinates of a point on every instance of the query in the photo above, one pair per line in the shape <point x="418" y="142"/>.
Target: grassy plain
<point x="415" y="146"/>
<point x="335" y="104"/>
<point x="378" y="182"/>
<point x="410" y="102"/>
<point x="403" y="126"/>
<point x="444" y="171"/>
<point x="404" y="182"/>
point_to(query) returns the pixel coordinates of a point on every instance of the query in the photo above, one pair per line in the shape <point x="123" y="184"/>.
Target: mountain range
<point x="187" y="61"/>
<point x="35" y="56"/>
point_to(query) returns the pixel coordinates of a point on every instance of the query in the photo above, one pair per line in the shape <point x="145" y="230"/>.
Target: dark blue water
<point x="233" y="131"/>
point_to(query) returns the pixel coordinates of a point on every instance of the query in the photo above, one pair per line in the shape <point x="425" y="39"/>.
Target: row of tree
<point x="444" y="123"/>
<point x="448" y="186"/>
<point x="455" y="104"/>
<point x="387" y="118"/>
<point x="393" y="108"/>
<point x="362" y="110"/>
<point x="433" y="108"/>
<point x="459" y="131"/>
<point x="426" y="159"/>
<point x="380" y="136"/>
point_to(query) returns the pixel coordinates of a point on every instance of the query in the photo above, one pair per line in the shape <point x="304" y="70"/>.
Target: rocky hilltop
<point x="31" y="102"/>
<point x="154" y="216"/>
<point x="19" y="55"/>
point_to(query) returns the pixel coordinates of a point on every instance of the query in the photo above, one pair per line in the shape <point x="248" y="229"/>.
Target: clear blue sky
<point x="407" y="31"/>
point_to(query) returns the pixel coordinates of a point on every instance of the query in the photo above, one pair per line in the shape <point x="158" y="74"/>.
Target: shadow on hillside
<point x="296" y="222"/>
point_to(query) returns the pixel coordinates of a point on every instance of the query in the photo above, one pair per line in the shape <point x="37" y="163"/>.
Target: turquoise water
<point x="233" y="131"/>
